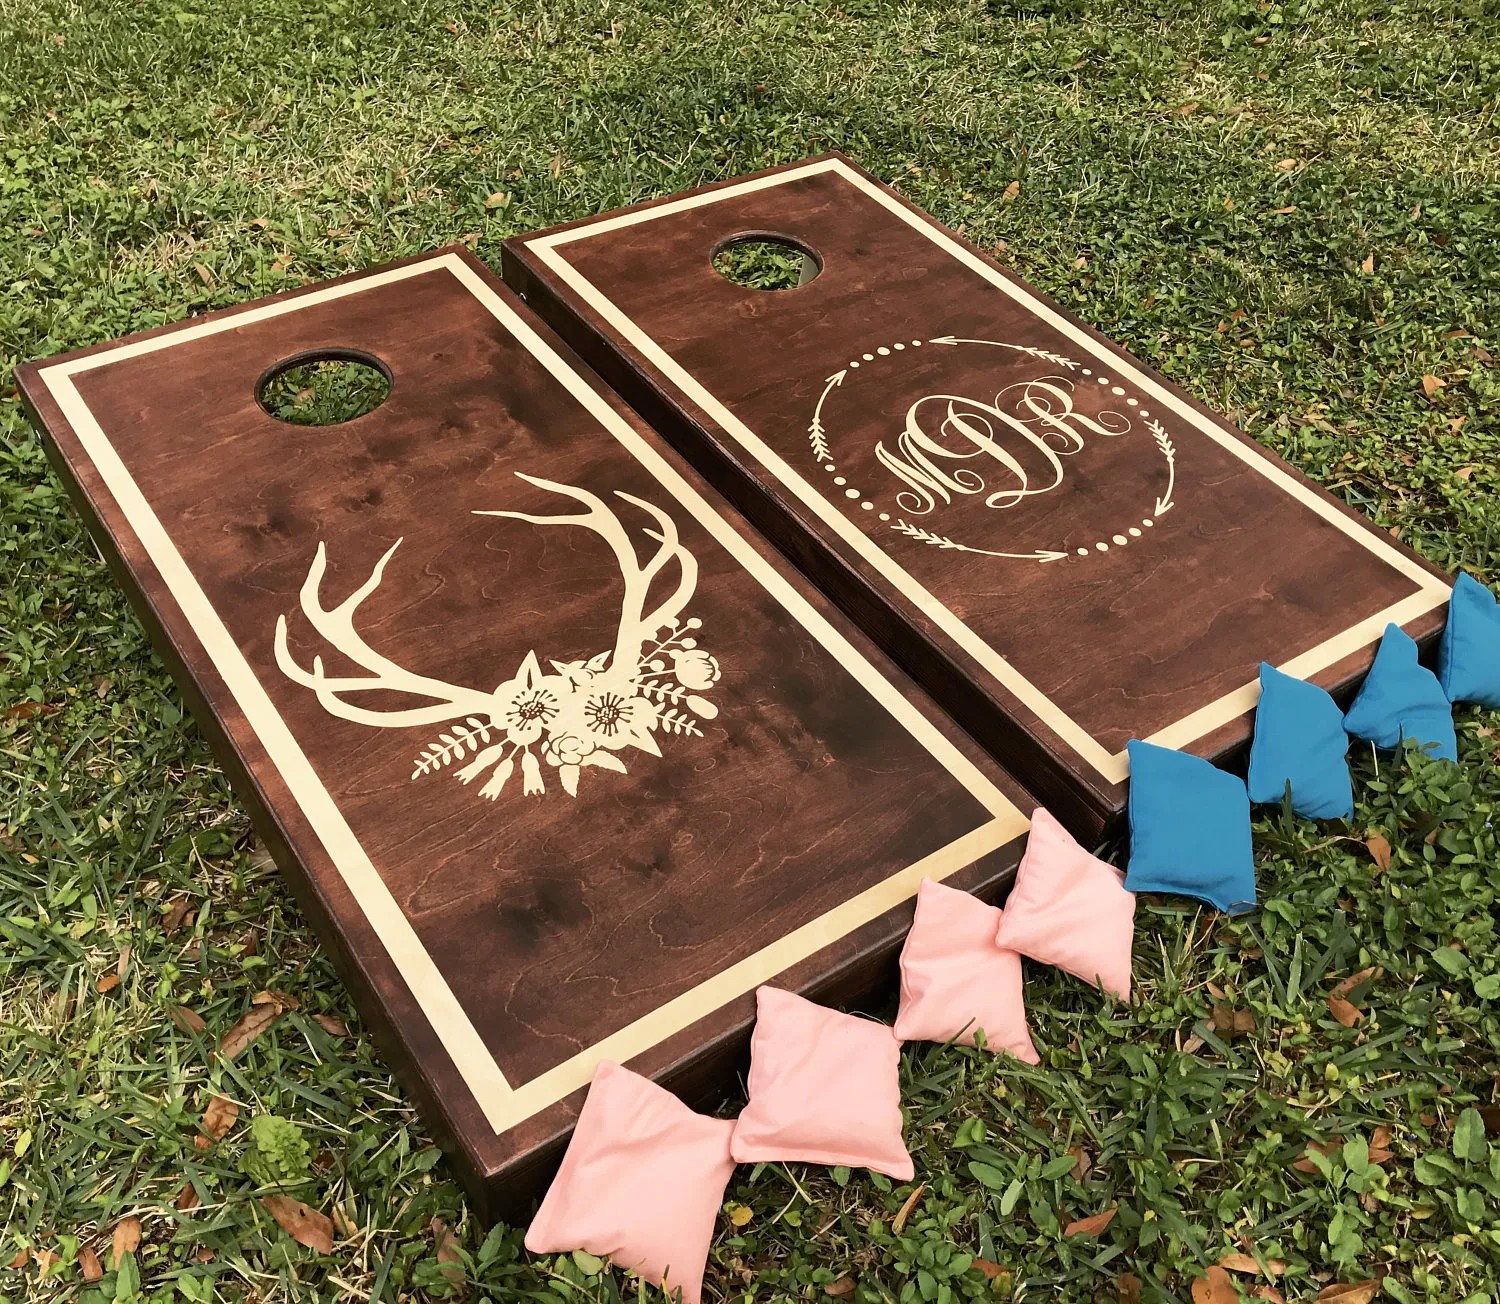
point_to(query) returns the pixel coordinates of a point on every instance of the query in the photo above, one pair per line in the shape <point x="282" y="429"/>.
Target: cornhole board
<point x="1066" y="549"/>
<point x="694" y="776"/>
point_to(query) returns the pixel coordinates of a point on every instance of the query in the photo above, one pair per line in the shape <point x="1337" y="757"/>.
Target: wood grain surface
<point x="775" y="824"/>
<point x="1063" y="546"/>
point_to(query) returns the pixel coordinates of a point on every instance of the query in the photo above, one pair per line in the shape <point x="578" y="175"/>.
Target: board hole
<point x="324" y="389"/>
<point x="761" y="262"/>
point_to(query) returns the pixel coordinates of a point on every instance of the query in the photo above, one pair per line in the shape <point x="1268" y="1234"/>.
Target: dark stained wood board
<point x="1064" y="547"/>
<point x="770" y="825"/>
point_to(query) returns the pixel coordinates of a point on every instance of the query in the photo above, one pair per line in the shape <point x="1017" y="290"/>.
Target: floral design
<point x="695" y="668"/>
<point x="584" y="713"/>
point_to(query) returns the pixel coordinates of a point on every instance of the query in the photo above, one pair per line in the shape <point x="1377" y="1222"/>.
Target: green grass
<point x="1292" y="209"/>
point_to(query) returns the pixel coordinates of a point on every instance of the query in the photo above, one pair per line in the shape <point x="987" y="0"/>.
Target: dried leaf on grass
<point x="1349" y="1293"/>
<point x="1093" y="1224"/>
<point x="1215" y="1287"/>
<point x="1340" y="1006"/>
<point x="1305" y="1165"/>
<point x="219" y="1117"/>
<point x="332" y="1026"/>
<point x="247" y="1028"/>
<point x="281" y="1001"/>
<point x="449" y="1256"/>
<point x="1230" y="1023"/>
<point x="902" y="1214"/>
<point x="1344" y="1012"/>
<point x="126" y="1240"/>
<point x="1235" y="1261"/>
<point x="189" y="1021"/>
<point x="26" y="710"/>
<point x="303" y="1224"/>
<point x="177" y="913"/>
<point x="1347" y="985"/>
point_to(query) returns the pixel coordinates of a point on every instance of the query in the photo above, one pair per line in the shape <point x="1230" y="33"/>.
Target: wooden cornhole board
<point x="758" y="790"/>
<point x="1062" y="545"/>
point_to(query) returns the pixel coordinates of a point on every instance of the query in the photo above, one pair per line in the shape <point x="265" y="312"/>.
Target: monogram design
<point x="1001" y="449"/>
<point x="1019" y="441"/>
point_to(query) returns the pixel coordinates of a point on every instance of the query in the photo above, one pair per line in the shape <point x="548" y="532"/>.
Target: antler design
<point x="336" y="625"/>
<point x="579" y="716"/>
<point x="636" y="623"/>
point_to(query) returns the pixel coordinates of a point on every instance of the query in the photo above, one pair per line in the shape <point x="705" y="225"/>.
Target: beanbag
<point x="640" y="1185"/>
<point x="955" y="980"/>
<point x="1070" y="909"/>
<point x="824" y="1089"/>
<point x="1189" y="829"/>
<point x="1300" y="739"/>
<point x="1469" y="655"/>
<point x="1401" y="699"/>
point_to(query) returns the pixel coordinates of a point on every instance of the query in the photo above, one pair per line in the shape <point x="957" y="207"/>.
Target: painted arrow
<point x="815" y="430"/>
<point x="1001" y="344"/>
<point x="942" y="541"/>
<point x="1164" y="442"/>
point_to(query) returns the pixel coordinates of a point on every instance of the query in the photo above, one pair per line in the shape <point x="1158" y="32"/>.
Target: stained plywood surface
<point x="562" y="760"/>
<point x="1060" y="543"/>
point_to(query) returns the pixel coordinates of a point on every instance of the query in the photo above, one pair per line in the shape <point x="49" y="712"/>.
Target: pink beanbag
<point x="1070" y="909"/>
<point x="824" y="1089"/>
<point x="640" y="1185"/>
<point x="954" y="978"/>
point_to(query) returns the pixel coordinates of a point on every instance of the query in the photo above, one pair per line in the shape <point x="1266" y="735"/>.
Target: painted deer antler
<point x="636" y="623"/>
<point x="580" y="716"/>
<point x="336" y="625"/>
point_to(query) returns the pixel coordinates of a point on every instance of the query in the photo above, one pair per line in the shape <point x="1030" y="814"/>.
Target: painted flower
<point x="695" y="668"/>
<point x="566" y="749"/>
<point x="608" y="712"/>
<point x="526" y="705"/>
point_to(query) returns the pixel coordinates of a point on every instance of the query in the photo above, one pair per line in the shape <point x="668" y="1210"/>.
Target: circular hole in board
<point x="324" y="388"/>
<point x="766" y="262"/>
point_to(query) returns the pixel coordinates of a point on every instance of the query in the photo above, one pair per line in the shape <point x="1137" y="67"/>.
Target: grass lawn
<point x="1290" y="208"/>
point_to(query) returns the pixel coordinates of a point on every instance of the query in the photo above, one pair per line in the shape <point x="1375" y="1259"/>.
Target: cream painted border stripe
<point x="1432" y="591"/>
<point x="502" y="1104"/>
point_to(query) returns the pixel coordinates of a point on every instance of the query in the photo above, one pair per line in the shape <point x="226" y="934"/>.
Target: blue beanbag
<point x="1401" y="699"/>
<point x="1300" y="739"/>
<point x="1469" y="655"/>
<point x="1189" y="829"/>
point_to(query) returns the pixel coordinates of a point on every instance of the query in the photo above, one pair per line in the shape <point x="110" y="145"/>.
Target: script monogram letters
<point x="1019" y="440"/>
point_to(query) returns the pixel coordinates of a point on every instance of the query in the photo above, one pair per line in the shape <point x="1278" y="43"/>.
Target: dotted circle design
<point x="1102" y="545"/>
